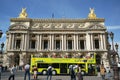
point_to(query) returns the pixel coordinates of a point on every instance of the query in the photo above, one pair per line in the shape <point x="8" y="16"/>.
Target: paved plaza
<point x="20" y="76"/>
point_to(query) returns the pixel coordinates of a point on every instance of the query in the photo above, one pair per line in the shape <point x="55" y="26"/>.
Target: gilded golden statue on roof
<point x="92" y="15"/>
<point x="23" y="13"/>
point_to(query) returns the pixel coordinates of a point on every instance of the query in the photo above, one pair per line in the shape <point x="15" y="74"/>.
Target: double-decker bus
<point x="61" y="65"/>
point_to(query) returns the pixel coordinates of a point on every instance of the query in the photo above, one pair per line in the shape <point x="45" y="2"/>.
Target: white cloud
<point x="3" y="35"/>
<point x="119" y="48"/>
<point x="3" y="38"/>
<point x="113" y="27"/>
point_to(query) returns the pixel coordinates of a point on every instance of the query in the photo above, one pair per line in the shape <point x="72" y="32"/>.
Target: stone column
<point x="74" y="41"/>
<point x="40" y="41"/>
<point x="88" y="41"/>
<point x="12" y="42"/>
<point x="65" y="42"/>
<point x="92" y="44"/>
<point x="37" y="42"/>
<point x="62" y="42"/>
<point x="22" y="42"/>
<point x="104" y="41"/>
<point x="77" y="41"/>
<point x="25" y="39"/>
<point x="101" y="41"/>
<point x="50" y="42"/>
<point x="27" y="42"/>
<point x="9" y="41"/>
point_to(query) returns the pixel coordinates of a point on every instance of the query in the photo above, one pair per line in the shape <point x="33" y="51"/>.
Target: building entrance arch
<point x="16" y="59"/>
<point x="98" y="59"/>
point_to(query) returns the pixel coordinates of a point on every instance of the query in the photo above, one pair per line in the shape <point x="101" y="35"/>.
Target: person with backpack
<point x="72" y="71"/>
<point x="49" y="72"/>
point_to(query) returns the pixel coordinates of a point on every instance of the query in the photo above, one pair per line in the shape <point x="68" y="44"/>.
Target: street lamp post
<point x="114" y="56"/>
<point x="1" y="51"/>
<point x="1" y="33"/>
<point x="2" y="45"/>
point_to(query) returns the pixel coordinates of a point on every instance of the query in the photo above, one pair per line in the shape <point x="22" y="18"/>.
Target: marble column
<point x="65" y="42"/>
<point x="25" y="39"/>
<point x="101" y="41"/>
<point x="62" y="42"/>
<point x="50" y="42"/>
<point x="77" y="41"/>
<point x="40" y="38"/>
<point x="22" y="42"/>
<point x="92" y="44"/>
<point x="12" y="46"/>
<point x="104" y="41"/>
<point x="37" y="42"/>
<point x="74" y="41"/>
<point x="9" y="42"/>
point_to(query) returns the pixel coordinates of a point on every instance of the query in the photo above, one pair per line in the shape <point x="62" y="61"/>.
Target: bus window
<point x="55" y="65"/>
<point x="42" y="65"/>
<point x="70" y="64"/>
<point x="82" y="65"/>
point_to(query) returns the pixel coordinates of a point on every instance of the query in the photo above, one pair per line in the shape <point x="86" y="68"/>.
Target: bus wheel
<point x="44" y="72"/>
<point x="54" y="72"/>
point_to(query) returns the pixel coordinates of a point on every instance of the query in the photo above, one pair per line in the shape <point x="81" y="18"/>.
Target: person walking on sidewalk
<point x="0" y="71"/>
<point x="102" y="72"/>
<point x="27" y="71"/>
<point x="79" y="75"/>
<point x="72" y="71"/>
<point x="12" y="71"/>
<point x="49" y="72"/>
<point x="108" y="73"/>
<point x="35" y="70"/>
<point x="98" y="70"/>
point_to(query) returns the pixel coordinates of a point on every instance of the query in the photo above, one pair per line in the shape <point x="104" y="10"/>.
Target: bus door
<point x="63" y="68"/>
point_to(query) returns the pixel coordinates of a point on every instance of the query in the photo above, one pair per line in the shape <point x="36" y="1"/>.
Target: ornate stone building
<point x="55" y="38"/>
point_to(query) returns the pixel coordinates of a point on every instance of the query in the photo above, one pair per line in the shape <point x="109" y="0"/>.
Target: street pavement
<point x="20" y="76"/>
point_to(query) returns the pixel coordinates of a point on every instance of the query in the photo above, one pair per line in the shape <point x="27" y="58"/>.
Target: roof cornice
<point x="61" y="20"/>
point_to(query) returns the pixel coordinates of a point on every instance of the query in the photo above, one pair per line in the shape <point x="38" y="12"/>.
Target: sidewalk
<point x="20" y="76"/>
<point x="57" y="78"/>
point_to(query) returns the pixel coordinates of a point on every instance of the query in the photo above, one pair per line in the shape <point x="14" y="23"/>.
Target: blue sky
<point x="108" y="9"/>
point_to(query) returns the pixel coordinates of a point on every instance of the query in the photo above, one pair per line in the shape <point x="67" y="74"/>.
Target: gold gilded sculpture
<point x="92" y="15"/>
<point x="23" y="14"/>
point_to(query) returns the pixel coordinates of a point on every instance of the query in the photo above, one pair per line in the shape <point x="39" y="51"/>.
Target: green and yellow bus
<point x="61" y="65"/>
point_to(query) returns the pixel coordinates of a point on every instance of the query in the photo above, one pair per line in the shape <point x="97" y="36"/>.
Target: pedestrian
<point x="0" y="71"/>
<point x="79" y="75"/>
<point x="108" y="73"/>
<point x="49" y="72"/>
<point x="102" y="72"/>
<point x="12" y="71"/>
<point x="27" y="71"/>
<point x="35" y="70"/>
<point x="98" y="70"/>
<point x="72" y="72"/>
